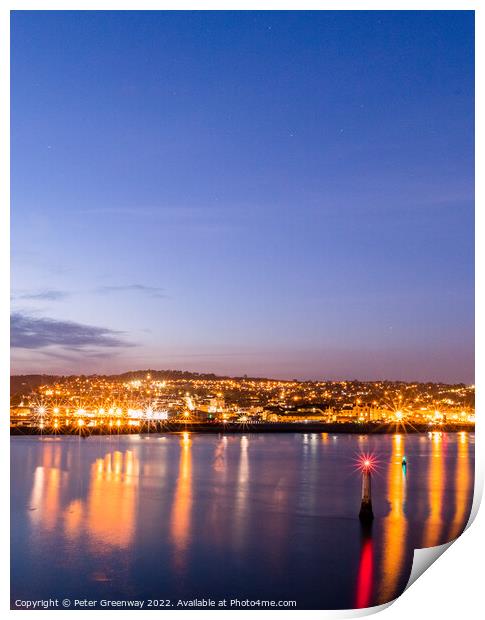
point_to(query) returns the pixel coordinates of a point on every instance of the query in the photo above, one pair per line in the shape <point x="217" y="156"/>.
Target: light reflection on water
<point x="181" y="507"/>
<point x="395" y="524"/>
<point x="463" y="486"/>
<point x="247" y="516"/>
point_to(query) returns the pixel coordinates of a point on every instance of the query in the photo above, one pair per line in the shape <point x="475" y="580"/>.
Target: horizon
<point x="238" y="377"/>
<point x="271" y="194"/>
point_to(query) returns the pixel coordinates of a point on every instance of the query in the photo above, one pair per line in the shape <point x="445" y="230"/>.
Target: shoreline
<point x="255" y="428"/>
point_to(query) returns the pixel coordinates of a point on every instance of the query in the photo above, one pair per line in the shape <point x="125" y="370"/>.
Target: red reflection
<point x="364" y="578"/>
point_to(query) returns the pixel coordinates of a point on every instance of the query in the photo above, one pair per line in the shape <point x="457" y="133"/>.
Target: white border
<point x="462" y="568"/>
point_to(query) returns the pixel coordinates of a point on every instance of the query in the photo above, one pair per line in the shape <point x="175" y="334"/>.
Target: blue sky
<point x="286" y="194"/>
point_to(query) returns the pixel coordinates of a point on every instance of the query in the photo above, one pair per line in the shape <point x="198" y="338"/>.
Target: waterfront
<point x="258" y="516"/>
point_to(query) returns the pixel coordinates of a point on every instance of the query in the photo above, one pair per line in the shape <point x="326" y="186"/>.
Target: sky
<point x="279" y="194"/>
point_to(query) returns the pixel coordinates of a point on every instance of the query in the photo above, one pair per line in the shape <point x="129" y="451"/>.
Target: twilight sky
<point x="285" y="194"/>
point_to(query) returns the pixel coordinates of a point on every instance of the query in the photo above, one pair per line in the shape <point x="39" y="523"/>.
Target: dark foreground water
<point x="269" y="517"/>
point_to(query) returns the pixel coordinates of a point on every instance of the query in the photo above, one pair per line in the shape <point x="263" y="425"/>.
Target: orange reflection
<point x="462" y="486"/>
<point x="182" y="504"/>
<point x="46" y="489"/>
<point x="73" y="517"/>
<point x="436" y="487"/>
<point x="395" y="524"/>
<point x="111" y="503"/>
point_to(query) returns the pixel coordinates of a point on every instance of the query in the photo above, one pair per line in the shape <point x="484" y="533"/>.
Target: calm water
<point x="253" y="516"/>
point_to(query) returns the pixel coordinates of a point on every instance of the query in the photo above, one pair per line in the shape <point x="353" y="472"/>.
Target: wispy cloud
<point x="44" y="295"/>
<point x="28" y="332"/>
<point x="152" y="291"/>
